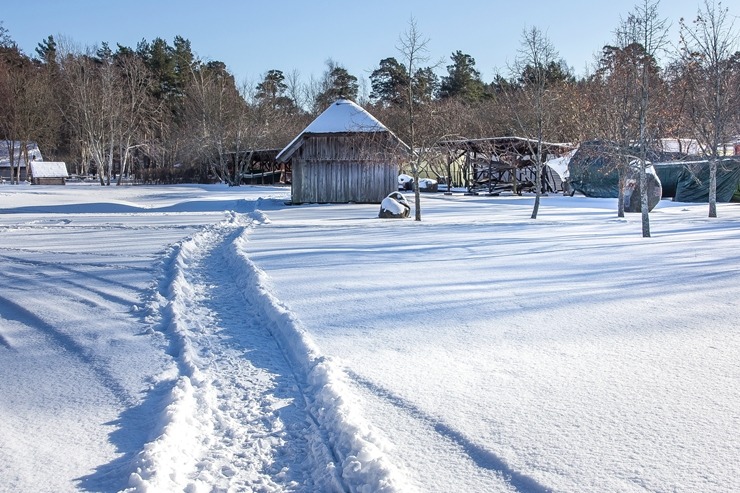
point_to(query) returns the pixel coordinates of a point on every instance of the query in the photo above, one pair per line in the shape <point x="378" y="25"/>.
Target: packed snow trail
<point x="256" y="407"/>
<point x="236" y="406"/>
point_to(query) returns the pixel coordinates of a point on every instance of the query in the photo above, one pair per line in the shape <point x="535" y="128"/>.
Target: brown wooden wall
<point x="344" y="168"/>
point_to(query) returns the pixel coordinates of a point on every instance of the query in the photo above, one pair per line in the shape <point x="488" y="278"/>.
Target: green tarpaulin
<point x="593" y="171"/>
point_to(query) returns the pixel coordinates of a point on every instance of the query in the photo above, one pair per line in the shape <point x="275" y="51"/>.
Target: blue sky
<point x="252" y="37"/>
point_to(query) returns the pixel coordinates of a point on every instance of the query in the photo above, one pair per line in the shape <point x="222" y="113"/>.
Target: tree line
<point x="159" y="113"/>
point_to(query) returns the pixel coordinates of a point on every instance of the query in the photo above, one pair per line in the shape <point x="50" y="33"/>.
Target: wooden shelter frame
<point x="496" y="164"/>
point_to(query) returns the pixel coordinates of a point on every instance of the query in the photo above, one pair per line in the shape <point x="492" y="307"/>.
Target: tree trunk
<point x="11" y="156"/>
<point x="417" y="194"/>
<point x="536" y="207"/>
<point x="643" y="156"/>
<point x="24" y="159"/>
<point x="644" y="200"/>
<point x="538" y="165"/>
<point x="538" y="189"/>
<point x="109" y="167"/>
<point x="713" y="188"/>
<point x="620" y="197"/>
<point x="124" y="158"/>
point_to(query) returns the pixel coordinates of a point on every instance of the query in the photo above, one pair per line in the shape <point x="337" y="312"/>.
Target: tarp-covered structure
<point x="689" y="181"/>
<point x="594" y="172"/>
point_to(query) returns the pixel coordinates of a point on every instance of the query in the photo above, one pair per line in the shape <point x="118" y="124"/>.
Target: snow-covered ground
<point x="206" y="338"/>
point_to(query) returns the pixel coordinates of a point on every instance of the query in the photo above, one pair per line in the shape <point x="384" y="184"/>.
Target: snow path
<point x="142" y="350"/>
<point x="354" y="453"/>
<point x="241" y="406"/>
<point x="256" y="407"/>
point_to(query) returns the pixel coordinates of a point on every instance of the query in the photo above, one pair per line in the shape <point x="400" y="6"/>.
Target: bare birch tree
<point x="645" y="27"/>
<point x="138" y="109"/>
<point x="533" y="62"/>
<point x="94" y="107"/>
<point x="708" y="45"/>
<point x="11" y="86"/>
<point x="26" y="108"/>
<point x="212" y="106"/>
<point x="413" y="46"/>
<point x="614" y="106"/>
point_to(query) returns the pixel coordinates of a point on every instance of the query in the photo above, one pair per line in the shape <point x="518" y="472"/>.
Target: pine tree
<point x="5" y="40"/>
<point x="160" y="61"/>
<point x="183" y="63"/>
<point x="463" y="80"/>
<point x="271" y="93"/>
<point x="426" y="85"/>
<point x="272" y="86"/>
<point x="336" y="84"/>
<point x="104" y="54"/>
<point x="47" y="51"/>
<point x="389" y="82"/>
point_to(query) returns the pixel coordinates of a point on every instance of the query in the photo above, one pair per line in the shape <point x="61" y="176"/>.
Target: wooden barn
<point x="48" y="173"/>
<point x="344" y="155"/>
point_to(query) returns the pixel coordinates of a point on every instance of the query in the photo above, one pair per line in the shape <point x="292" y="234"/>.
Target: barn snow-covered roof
<point x="343" y="116"/>
<point x="48" y="169"/>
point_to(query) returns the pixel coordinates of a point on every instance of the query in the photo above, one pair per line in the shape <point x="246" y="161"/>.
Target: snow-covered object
<point x="344" y="116"/>
<point x="428" y="185"/>
<point x="405" y="181"/>
<point x="394" y="206"/>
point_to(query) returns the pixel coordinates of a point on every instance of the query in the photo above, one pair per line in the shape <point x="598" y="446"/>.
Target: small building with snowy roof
<point x="344" y="155"/>
<point x="48" y="172"/>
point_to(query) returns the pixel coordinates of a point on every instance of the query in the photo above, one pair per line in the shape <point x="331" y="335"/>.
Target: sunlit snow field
<point x="145" y="342"/>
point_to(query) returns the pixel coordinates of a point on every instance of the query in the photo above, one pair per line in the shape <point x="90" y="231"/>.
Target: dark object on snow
<point x="593" y="171"/>
<point x="689" y="181"/>
<point x="594" y="168"/>
<point x="632" y="199"/>
<point x="394" y="206"/>
<point x="428" y="185"/>
<point x="405" y="182"/>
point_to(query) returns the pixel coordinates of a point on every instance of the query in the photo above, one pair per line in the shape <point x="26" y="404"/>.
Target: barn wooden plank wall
<point x="361" y="167"/>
